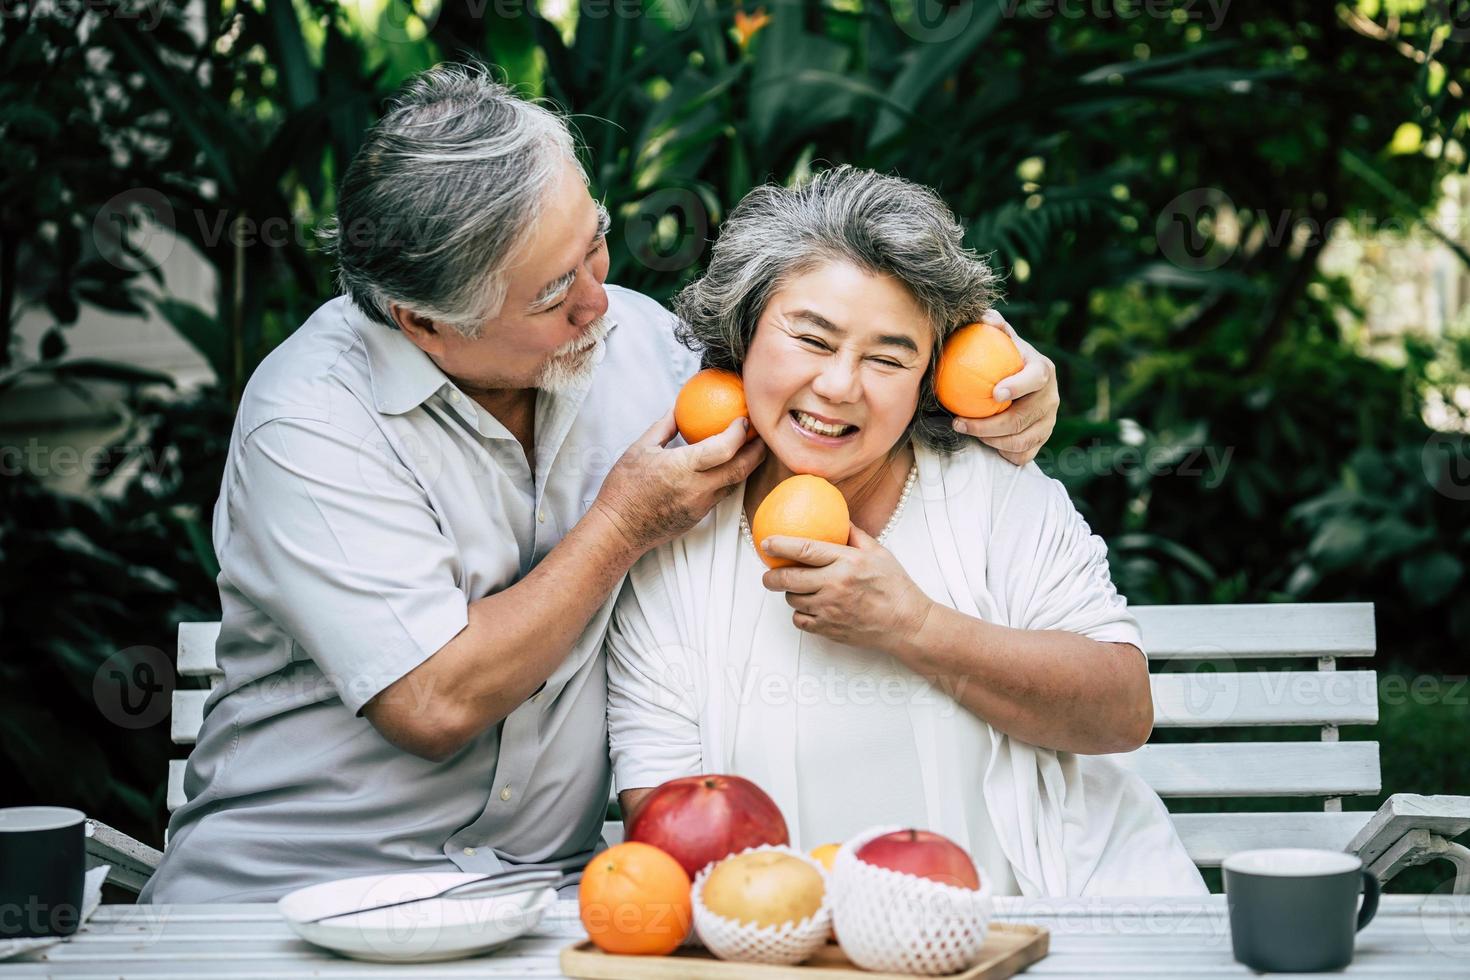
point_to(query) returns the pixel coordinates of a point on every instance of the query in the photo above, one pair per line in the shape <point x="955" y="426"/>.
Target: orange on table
<point x="802" y="506"/>
<point x="635" y="898"/>
<point x="826" y="854"/>
<point x="708" y="403"/>
<point x="974" y="358"/>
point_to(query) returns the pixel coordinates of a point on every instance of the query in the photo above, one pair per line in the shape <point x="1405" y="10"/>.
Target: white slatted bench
<point x="1235" y="692"/>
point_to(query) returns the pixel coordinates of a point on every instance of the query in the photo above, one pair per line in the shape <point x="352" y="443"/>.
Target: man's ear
<point x="424" y="332"/>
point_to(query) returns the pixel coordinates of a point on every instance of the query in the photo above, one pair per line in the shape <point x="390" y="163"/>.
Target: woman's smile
<point x="820" y="429"/>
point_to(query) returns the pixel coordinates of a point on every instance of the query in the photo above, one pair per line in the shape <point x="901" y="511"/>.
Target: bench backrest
<point x="1207" y="672"/>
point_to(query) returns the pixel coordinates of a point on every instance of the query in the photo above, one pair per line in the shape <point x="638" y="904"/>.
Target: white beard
<point x="571" y="365"/>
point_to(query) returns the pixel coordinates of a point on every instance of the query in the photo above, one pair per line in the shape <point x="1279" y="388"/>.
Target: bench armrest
<point x="132" y="861"/>
<point x="1409" y="830"/>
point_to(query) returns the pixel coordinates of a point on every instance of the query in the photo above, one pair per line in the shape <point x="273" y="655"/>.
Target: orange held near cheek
<point x="974" y="359"/>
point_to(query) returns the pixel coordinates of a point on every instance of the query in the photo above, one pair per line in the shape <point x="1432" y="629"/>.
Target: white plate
<point x="422" y="932"/>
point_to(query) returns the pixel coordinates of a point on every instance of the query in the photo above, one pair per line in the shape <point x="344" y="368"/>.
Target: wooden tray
<point x="1010" y="947"/>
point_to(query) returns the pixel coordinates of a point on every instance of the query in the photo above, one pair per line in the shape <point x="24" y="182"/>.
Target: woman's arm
<point x="652" y="703"/>
<point x="1067" y="676"/>
<point x="1051" y="688"/>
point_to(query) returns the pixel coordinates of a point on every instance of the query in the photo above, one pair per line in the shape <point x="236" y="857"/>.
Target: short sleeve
<point x="1049" y="568"/>
<point x="652" y="699"/>
<point x="332" y="537"/>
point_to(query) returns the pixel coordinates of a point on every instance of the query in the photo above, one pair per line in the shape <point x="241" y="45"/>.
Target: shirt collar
<point x="403" y="377"/>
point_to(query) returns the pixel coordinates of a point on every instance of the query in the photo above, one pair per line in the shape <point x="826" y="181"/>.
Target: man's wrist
<point x="619" y="545"/>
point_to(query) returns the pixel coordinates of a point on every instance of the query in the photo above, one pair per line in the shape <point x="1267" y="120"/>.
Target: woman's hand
<point x="1022" y="429"/>
<point x="856" y="593"/>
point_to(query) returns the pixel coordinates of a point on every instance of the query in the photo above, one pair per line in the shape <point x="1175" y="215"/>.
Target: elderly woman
<point x="963" y="662"/>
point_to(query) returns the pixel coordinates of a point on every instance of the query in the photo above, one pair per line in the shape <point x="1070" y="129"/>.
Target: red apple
<point x="699" y="819"/>
<point x="922" y="853"/>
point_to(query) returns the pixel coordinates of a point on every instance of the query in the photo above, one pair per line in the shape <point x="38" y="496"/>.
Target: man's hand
<point x="1022" y="429"/>
<point x="856" y="593"/>
<point x="654" y="494"/>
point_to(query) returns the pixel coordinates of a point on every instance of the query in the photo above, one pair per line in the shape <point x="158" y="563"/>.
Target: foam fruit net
<point x="790" y="942"/>
<point x="898" y="923"/>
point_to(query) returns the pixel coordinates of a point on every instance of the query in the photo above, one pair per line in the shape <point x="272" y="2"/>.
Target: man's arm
<point x="631" y="800"/>
<point x="515" y="638"/>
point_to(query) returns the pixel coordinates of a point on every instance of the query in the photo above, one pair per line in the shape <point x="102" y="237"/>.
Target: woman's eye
<point x="887" y="363"/>
<point x="814" y="342"/>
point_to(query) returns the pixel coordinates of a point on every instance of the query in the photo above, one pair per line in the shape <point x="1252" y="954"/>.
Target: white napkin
<point x="91" y="898"/>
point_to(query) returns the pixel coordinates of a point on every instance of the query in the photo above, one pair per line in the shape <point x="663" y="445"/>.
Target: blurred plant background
<point x="1234" y="226"/>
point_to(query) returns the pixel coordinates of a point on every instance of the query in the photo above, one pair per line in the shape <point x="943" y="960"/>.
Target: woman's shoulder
<point x="976" y="473"/>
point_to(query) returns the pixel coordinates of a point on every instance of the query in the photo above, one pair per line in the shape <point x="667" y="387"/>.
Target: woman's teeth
<point x="812" y="424"/>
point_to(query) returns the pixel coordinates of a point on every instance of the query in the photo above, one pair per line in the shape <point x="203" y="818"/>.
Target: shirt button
<point x="454" y="396"/>
<point x="541" y="515"/>
<point x="505" y="793"/>
<point x="469" y="852"/>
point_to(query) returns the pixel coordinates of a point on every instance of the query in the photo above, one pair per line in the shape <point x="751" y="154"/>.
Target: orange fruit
<point x="634" y="898"/>
<point x="826" y="854"/>
<point x="974" y="358"/>
<point x="708" y="403"/>
<point x="802" y="506"/>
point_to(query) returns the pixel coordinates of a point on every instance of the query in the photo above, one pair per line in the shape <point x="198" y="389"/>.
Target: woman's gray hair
<point x="880" y="223"/>
<point x="442" y="192"/>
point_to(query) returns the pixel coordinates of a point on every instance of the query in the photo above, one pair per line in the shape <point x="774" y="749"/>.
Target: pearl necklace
<point x="903" y="498"/>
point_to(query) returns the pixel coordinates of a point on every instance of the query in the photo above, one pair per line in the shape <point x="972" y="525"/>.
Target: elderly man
<point x="433" y="491"/>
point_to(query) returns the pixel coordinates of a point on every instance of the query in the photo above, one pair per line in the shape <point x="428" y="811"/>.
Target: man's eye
<point x="814" y="342"/>
<point x="887" y="363"/>
<point x="559" y="305"/>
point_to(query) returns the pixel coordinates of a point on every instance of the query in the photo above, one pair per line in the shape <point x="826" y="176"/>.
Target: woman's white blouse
<point x="707" y="673"/>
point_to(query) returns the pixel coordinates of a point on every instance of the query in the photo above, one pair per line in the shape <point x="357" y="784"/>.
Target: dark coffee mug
<point x="42" y="864"/>
<point x="1295" y="910"/>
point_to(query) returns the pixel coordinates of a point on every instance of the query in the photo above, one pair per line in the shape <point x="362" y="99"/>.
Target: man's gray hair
<point x="443" y="191"/>
<point x="880" y="223"/>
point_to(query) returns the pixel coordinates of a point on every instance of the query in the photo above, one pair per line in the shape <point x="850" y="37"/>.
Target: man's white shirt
<point x="366" y="502"/>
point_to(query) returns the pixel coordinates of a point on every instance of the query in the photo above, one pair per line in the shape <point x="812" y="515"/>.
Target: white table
<point x="1422" y="937"/>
